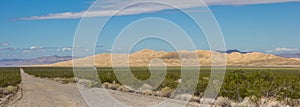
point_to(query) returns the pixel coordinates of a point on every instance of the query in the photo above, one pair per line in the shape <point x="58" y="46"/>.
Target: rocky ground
<point x="8" y="94"/>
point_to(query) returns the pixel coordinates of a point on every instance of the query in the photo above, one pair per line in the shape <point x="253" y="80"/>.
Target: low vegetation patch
<point x="245" y="86"/>
<point x="10" y="78"/>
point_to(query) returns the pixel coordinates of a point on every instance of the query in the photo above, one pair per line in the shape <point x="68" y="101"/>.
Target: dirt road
<point x="46" y="93"/>
<point x="39" y="92"/>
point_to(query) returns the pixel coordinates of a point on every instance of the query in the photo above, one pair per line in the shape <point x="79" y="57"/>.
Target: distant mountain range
<point x="289" y="55"/>
<point x="232" y="51"/>
<point x="33" y="61"/>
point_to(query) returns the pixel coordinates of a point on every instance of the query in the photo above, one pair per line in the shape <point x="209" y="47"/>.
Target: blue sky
<point x="34" y="28"/>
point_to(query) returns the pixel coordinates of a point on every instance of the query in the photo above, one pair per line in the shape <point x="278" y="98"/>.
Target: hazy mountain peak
<point x="34" y="61"/>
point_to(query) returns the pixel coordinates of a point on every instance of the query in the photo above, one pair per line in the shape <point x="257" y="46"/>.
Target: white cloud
<point x="283" y="50"/>
<point x="35" y="47"/>
<point x="4" y="44"/>
<point x="32" y="52"/>
<point x="109" y="7"/>
<point x="65" y="49"/>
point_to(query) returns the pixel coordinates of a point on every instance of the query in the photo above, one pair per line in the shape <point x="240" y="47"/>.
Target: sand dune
<point x="204" y="58"/>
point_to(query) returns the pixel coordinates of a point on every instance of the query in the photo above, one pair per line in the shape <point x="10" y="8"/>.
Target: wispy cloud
<point x="32" y="52"/>
<point x="35" y="47"/>
<point x="286" y="49"/>
<point x="110" y="7"/>
<point x="4" y="44"/>
<point x="64" y="49"/>
<point x="283" y="50"/>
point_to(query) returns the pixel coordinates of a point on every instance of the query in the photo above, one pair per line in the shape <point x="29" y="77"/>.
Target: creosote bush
<point x="9" y="77"/>
<point x="257" y="84"/>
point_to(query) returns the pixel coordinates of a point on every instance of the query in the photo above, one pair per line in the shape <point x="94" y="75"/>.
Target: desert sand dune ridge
<point x="144" y="57"/>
